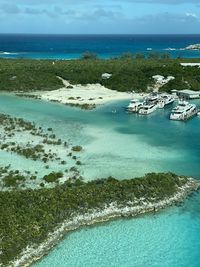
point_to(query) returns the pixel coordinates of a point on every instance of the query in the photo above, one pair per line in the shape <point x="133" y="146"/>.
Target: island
<point x="33" y="221"/>
<point x="82" y="83"/>
<point x="41" y="205"/>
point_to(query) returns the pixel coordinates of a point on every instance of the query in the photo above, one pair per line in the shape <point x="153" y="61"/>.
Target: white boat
<point x="134" y="105"/>
<point x="165" y="99"/>
<point x="152" y="99"/>
<point x="147" y="109"/>
<point x="183" y="111"/>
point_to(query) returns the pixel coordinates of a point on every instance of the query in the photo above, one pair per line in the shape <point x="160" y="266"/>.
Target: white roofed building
<point x="106" y="76"/>
<point x="188" y="94"/>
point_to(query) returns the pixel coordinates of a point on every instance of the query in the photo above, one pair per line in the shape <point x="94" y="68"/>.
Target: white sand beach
<point x="93" y="94"/>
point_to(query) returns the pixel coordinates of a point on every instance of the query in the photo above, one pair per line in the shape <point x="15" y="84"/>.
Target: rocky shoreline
<point x="111" y="212"/>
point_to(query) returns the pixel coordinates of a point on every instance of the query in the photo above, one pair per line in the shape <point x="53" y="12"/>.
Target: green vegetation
<point x="28" y="216"/>
<point x="53" y="177"/>
<point x="12" y="126"/>
<point x="29" y="141"/>
<point x="89" y="55"/>
<point x="12" y="180"/>
<point x="77" y="148"/>
<point x="27" y="75"/>
<point x="128" y="72"/>
<point x="82" y="106"/>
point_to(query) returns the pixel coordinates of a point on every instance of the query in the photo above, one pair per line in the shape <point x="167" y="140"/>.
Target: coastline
<point x="89" y="96"/>
<point x="118" y="212"/>
<point x="85" y="96"/>
<point x="111" y="212"/>
<point x="59" y="96"/>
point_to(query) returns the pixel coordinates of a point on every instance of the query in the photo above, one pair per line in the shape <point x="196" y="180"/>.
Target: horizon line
<point x="9" y="33"/>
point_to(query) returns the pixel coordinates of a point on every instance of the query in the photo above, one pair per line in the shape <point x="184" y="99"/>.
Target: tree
<point x="126" y="55"/>
<point x="89" y="55"/>
<point x="165" y="55"/>
<point x="140" y="56"/>
<point x="153" y="55"/>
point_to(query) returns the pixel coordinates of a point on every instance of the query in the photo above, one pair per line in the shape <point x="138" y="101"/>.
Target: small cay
<point x="45" y="215"/>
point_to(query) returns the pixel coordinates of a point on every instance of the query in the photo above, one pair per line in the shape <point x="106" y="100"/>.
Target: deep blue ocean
<point x="106" y="46"/>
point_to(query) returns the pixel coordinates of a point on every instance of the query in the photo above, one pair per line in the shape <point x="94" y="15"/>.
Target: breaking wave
<point x="170" y="49"/>
<point x="8" y="53"/>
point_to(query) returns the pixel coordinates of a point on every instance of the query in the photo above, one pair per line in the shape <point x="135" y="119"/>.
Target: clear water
<point x="138" y="143"/>
<point x="124" y="146"/>
<point x="170" y="238"/>
<point x="106" y="46"/>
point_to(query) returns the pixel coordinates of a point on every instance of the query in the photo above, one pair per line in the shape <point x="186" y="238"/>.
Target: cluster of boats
<point x="183" y="111"/>
<point x="150" y="103"/>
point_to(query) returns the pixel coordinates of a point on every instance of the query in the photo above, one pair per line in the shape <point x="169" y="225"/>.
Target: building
<point x="188" y="94"/>
<point x="190" y="64"/>
<point x="106" y="76"/>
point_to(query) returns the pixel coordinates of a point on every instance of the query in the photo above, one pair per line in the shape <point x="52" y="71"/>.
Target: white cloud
<point x="168" y="2"/>
<point x="191" y="15"/>
<point x="111" y="16"/>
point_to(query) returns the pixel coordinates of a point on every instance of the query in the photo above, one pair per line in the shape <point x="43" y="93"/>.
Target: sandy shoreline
<point x="90" y="94"/>
<point x="94" y="94"/>
<point x="111" y="212"/>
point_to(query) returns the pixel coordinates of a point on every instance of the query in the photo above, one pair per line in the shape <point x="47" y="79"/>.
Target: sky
<point x="100" y="16"/>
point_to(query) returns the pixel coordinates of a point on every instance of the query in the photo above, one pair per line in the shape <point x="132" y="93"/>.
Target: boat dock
<point x="183" y="111"/>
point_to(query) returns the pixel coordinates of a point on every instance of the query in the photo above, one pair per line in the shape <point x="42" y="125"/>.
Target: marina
<point x="183" y="110"/>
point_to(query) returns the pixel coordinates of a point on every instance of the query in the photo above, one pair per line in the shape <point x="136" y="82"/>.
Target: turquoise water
<point x="138" y="144"/>
<point x="168" y="239"/>
<point x="124" y="146"/>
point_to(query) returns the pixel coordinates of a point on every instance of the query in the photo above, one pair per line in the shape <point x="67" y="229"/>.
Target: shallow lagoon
<point x="137" y="143"/>
<point x="124" y="146"/>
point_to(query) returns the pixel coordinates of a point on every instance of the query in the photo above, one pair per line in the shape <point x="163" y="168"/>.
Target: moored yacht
<point x="183" y="111"/>
<point x="152" y="98"/>
<point x="165" y="99"/>
<point x="147" y="109"/>
<point x="134" y="105"/>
